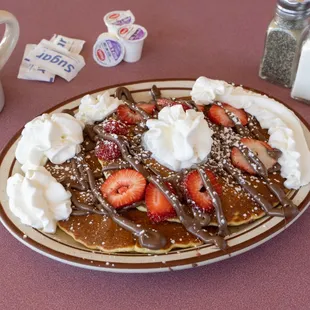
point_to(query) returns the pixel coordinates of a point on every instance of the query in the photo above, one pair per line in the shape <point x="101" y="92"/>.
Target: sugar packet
<point x="28" y="71"/>
<point x="56" y="59"/>
<point x="72" y="45"/>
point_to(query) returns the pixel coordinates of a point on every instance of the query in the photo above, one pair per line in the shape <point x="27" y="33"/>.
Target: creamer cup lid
<point x="119" y="18"/>
<point x="108" y="51"/>
<point x="132" y="33"/>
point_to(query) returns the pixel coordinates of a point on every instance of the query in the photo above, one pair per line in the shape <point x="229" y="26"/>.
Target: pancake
<point x="99" y="232"/>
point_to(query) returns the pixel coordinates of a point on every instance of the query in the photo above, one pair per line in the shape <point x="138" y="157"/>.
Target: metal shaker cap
<point x="293" y="9"/>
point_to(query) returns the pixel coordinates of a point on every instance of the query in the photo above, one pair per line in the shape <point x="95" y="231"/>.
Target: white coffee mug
<point x="7" y="44"/>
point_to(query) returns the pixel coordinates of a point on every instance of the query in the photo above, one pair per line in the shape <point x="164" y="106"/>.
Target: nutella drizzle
<point x="192" y="220"/>
<point x="90" y="132"/>
<point x="68" y="111"/>
<point x="135" y="108"/>
<point x="121" y="92"/>
<point x="287" y="212"/>
<point x="82" y="184"/>
<point x="191" y="104"/>
<point x="116" y="167"/>
<point x="260" y="169"/>
<point x="83" y="206"/>
<point x="149" y="238"/>
<point x="222" y="223"/>
<point x="253" y="160"/>
<point x="155" y="92"/>
<point x="253" y="126"/>
<point x="242" y="130"/>
<point x="189" y="221"/>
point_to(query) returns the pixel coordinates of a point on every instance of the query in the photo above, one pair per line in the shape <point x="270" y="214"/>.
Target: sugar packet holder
<point x="56" y="60"/>
<point x="28" y="71"/>
<point x="72" y="45"/>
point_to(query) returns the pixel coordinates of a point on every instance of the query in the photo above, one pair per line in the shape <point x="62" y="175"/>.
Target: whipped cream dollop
<point x="205" y="90"/>
<point x="284" y="127"/>
<point x="178" y="139"/>
<point x="56" y="137"/>
<point x="38" y="200"/>
<point x="94" y="109"/>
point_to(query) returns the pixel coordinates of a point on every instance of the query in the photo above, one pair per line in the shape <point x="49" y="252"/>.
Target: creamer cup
<point x="132" y="36"/>
<point x="116" y="19"/>
<point x="108" y="51"/>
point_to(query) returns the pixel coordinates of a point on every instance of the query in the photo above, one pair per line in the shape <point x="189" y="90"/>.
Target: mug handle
<point x="10" y="37"/>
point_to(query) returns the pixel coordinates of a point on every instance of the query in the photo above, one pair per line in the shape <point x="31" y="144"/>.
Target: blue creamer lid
<point x="108" y="51"/>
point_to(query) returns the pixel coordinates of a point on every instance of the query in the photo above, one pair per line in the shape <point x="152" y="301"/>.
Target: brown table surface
<point x="187" y="38"/>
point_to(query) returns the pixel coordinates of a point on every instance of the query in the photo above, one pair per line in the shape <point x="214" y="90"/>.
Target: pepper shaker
<point x="283" y="42"/>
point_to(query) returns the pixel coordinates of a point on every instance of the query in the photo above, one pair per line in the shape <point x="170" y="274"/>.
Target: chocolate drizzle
<point x="253" y="160"/>
<point x="135" y="108"/>
<point x="191" y="104"/>
<point x="287" y="212"/>
<point x="116" y="167"/>
<point x="155" y="92"/>
<point x="148" y="238"/>
<point x="84" y="207"/>
<point x="121" y="92"/>
<point x="253" y="126"/>
<point x="216" y="201"/>
<point x="191" y="223"/>
<point x="77" y="171"/>
<point x="194" y="221"/>
<point x="291" y="209"/>
<point x="260" y="169"/>
<point x="242" y="130"/>
<point x="68" y="111"/>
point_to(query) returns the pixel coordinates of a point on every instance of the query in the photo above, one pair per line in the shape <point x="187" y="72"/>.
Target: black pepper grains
<point x="283" y="41"/>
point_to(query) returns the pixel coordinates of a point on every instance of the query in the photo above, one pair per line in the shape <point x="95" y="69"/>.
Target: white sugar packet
<point x="28" y="71"/>
<point x="72" y="45"/>
<point x="56" y="59"/>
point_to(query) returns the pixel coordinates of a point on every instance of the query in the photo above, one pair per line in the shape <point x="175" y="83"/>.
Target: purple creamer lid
<point x="119" y="18"/>
<point x="132" y="33"/>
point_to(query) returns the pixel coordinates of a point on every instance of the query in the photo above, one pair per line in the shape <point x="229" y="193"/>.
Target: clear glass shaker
<point x="283" y="42"/>
<point x="301" y="86"/>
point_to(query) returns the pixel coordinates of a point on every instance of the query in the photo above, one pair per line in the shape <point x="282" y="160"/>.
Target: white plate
<point x="63" y="248"/>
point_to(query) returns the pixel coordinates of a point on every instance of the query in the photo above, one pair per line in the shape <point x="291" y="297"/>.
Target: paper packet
<point x="72" y="45"/>
<point x="28" y="71"/>
<point x="56" y="60"/>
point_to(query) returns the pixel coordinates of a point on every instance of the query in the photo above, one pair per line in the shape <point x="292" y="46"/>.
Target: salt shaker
<point x="301" y="87"/>
<point x="283" y="42"/>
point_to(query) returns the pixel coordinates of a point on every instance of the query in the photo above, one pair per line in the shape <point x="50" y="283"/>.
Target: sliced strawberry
<point x="123" y="188"/>
<point x="196" y="191"/>
<point x="128" y="116"/>
<point x="200" y="107"/>
<point x="107" y="150"/>
<point x="239" y="161"/>
<point x="115" y="127"/>
<point x="149" y="108"/>
<point x="158" y="206"/>
<point x="164" y="102"/>
<point x="260" y="149"/>
<point x="217" y="115"/>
